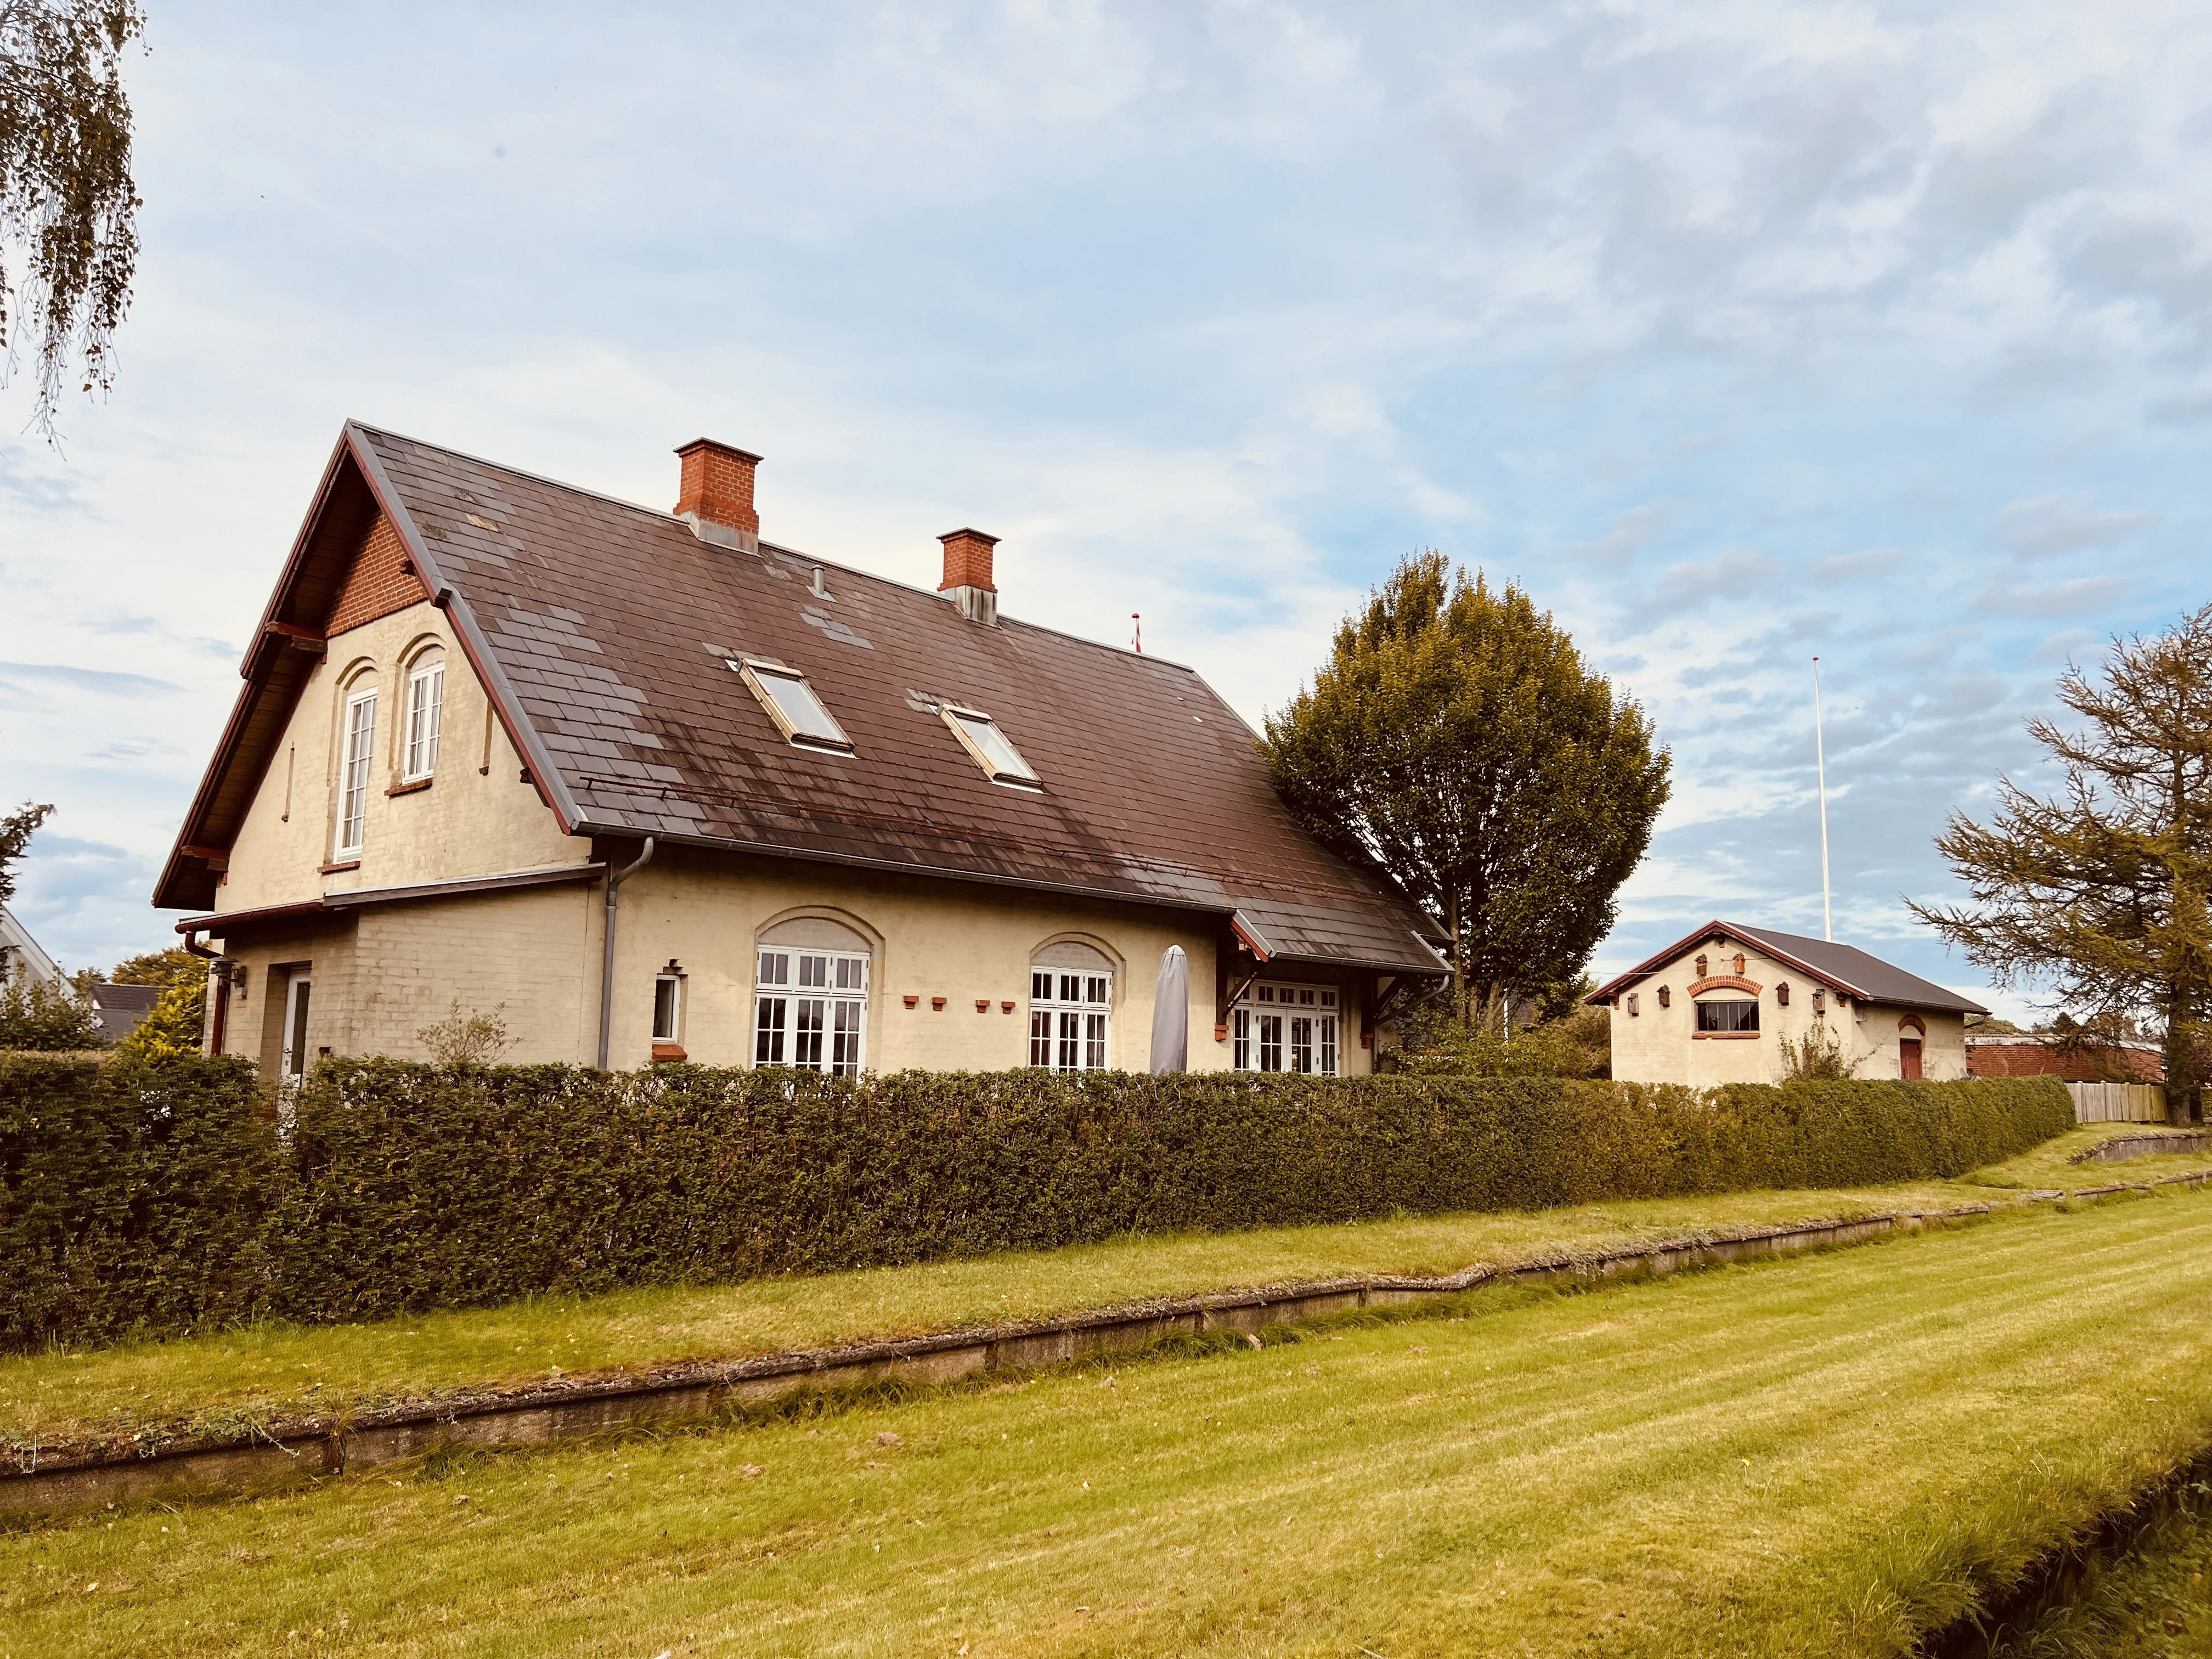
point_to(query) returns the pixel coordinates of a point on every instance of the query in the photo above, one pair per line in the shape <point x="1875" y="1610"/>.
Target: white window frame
<point x="1021" y="776"/>
<point x="424" y="717"/>
<point x="1298" y="1028"/>
<point x="356" y="772"/>
<point x="1071" y="1017"/>
<point x="755" y="670"/>
<point x="826" y="1031"/>
<point x="674" y="1033"/>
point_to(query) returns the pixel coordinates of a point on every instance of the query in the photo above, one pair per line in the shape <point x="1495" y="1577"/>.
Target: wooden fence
<point x="2118" y="1102"/>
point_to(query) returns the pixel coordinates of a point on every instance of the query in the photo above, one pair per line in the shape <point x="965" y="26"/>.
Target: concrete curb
<point x="60" y="1480"/>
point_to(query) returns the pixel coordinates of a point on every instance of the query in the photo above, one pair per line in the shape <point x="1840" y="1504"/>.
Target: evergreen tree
<point x="2098" y="892"/>
<point x="1455" y="739"/>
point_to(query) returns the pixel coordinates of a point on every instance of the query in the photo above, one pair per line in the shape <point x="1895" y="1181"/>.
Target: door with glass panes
<point x="1287" y="1028"/>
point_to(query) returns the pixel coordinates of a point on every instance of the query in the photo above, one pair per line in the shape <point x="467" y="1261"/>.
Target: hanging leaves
<point x="69" y="241"/>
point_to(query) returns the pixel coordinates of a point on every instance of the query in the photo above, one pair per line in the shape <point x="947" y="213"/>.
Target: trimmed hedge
<point x="149" y="1197"/>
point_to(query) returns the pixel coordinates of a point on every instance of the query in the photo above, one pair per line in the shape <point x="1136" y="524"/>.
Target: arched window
<point x="1071" y="1007"/>
<point x="357" y="759"/>
<point x="425" y="714"/>
<point x="810" y="997"/>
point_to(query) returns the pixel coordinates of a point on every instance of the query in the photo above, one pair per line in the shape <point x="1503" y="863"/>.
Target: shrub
<point x="48" y="1017"/>
<point x="150" y="1197"/>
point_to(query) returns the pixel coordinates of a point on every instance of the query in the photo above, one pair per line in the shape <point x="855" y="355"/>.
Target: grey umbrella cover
<point x="1171" y="1013"/>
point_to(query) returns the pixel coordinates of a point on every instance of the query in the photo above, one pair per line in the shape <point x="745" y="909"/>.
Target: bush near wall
<point x="148" y="1197"/>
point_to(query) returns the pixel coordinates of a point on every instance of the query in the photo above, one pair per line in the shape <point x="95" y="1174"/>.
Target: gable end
<point x="382" y="579"/>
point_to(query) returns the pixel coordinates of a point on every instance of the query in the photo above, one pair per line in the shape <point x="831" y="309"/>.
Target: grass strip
<point x="225" y="1384"/>
<point x="2155" y="1601"/>
<point x="1832" y="1454"/>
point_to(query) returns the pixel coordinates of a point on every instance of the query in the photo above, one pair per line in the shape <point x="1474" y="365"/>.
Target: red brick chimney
<point x="716" y="498"/>
<point x="968" y="575"/>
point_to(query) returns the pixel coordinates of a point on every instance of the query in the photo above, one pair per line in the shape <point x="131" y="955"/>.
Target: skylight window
<point x="980" y="735"/>
<point x="792" y="704"/>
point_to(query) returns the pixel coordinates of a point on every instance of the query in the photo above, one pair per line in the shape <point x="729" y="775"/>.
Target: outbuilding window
<point x="1734" y="1015"/>
<point x="810" y="1009"/>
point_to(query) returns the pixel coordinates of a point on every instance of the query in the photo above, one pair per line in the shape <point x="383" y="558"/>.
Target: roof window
<point x="979" y="735"/>
<point x="792" y="704"/>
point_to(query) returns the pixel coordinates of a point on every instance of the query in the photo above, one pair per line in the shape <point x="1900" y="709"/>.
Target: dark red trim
<point x="1652" y="964"/>
<point x="219" y="924"/>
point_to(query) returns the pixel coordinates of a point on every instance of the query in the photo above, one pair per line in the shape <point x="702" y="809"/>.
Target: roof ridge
<point x="766" y="546"/>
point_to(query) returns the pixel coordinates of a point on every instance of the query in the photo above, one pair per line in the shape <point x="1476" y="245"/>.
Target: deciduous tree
<point x="2097" y="893"/>
<point x="1456" y="739"/>
<point x="68" y="206"/>
<point x="15" y="832"/>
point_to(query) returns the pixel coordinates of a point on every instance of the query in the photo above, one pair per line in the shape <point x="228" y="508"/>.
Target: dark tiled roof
<point x="605" y="629"/>
<point x="1844" y="967"/>
<point x="121" y="1007"/>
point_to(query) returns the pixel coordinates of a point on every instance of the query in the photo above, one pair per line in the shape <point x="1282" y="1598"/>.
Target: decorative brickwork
<point x="717" y="485"/>
<point x="968" y="559"/>
<point x="380" y="582"/>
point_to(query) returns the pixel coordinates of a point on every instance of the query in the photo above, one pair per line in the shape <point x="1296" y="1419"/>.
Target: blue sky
<point x="1736" y="334"/>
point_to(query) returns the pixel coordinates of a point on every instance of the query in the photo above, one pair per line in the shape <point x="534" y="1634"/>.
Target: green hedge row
<point x="149" y="1197"/>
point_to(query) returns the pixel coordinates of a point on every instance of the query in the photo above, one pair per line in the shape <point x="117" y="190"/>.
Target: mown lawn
<point x="219" y="1382"/>
<point x="1819" y="1455"/>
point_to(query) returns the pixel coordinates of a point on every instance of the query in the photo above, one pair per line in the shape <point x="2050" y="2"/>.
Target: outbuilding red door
<point x="1908" y="1057"/>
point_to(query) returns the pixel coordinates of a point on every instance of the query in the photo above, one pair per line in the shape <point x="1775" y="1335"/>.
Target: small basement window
<point x="792" y="704"/>
<point x="979" y="735"/>
<point x="1731" y="1016"/>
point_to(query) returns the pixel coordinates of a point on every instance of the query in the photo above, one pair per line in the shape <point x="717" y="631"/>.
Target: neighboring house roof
<point x="121" y="1007"/>
<point x="21" y="959"/>
<point x="602" y="629"/>
<point x="1843" y="967"/>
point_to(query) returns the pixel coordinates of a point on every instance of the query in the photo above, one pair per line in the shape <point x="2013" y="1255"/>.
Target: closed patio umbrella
<point x="1171" y="1013"/>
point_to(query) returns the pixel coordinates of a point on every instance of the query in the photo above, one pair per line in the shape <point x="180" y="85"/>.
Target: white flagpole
<point x="1820" y="760"/>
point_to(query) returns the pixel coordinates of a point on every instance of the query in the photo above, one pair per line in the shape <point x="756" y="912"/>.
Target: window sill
<point x="668" y="1053"/>
<point x="1724" y="1037"/>
<point x="338" y="869"/>
<point x="414" y="788"/>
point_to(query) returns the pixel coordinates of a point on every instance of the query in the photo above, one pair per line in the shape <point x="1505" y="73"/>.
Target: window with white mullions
<point x="1070" y="1018"/>
<point x="360" y="757"/>
<point x="426" y="700"/>
<point x="810" y="1009"/>
<point x="1287" y="1028"/>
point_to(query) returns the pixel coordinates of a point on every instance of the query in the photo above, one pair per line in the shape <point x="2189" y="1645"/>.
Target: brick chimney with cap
<point x="968" y="575"/>
<point x="716" y="498"/>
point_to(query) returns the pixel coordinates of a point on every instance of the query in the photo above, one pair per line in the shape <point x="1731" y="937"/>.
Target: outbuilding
<point x="1719" y="1006"/>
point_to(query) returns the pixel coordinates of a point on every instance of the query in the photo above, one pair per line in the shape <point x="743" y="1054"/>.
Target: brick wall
<point x="380" y="581"/>
<point x="2088" y="1064"/>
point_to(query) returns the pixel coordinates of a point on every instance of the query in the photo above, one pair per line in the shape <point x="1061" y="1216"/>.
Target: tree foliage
<point x="15" y="832"/>
<point x="49" y="1017"/>
<point x="66" y="196"/>
<point x="1456" y="739"/>
<point x="2098" y="892"/>
<point x="174" y="966"/>
<point x="174" y="1025"/>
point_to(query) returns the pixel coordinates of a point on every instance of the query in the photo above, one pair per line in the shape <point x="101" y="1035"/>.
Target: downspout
<point x="218" y="1014"/>
<point x="615" y="880"/>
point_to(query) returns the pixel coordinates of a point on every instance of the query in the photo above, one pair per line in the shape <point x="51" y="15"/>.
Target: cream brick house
<point x="659" y="789"/>
<point x="1714" y="1008"/>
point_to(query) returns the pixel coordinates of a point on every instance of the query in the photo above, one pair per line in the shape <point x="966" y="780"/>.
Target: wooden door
<point x="1908" y="1057"/>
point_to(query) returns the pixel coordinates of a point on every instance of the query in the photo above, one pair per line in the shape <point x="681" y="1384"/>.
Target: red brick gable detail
<point x="380" y="581"/>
